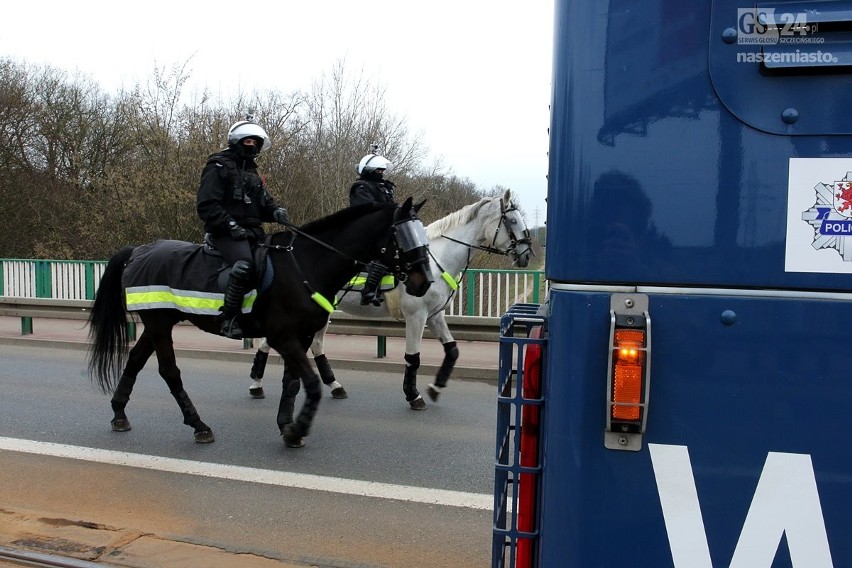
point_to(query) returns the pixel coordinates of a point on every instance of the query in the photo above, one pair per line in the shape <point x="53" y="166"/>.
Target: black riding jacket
<point x="371" y="191"/>
<point x="231" y="189"/>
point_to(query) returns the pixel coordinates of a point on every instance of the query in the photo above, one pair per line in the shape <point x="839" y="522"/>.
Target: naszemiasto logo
<point x="831" y="217"/>
<point x="768" y="26"/>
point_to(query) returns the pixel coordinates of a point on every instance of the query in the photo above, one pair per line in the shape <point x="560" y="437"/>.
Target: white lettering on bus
<point x="786" y="501"/>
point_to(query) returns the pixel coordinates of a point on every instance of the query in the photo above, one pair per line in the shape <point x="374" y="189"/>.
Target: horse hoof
<point x="339" y="393"/>
<point x="204" y="437"/>
<point x="434" y="392"/>
<point x="291" y="439"/>
<point x="120" y="425"/>
<point x="417" y="404"/>
<point x="257" y="393"/>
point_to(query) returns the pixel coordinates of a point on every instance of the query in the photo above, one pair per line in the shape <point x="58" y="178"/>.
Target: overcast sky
<point x="472" y="75"/>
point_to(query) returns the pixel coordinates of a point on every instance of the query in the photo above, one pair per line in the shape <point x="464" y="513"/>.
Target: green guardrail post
<point x="131" y="330"/>
<point x="43" y="280"/>
<point x="90" y="280"/>
<point x="26" y="325"/>
<point x="381" y="346"/>
<point x="248" y="343"/>
<point x="468" y="310"/>
<point x="536" y="284"/>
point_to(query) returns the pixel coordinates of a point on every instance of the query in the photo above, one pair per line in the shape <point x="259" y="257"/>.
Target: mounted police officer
<point x="371" y="187"/>
<point x="233" y="202"/>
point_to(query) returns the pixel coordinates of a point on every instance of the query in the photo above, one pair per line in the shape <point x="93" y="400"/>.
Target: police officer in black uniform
<point x="371" y="187"/>
<point x="233" y="202"/>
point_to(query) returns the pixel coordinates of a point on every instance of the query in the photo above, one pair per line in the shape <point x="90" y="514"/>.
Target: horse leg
<point x="438" y="325"/>
<point x="136" y="359"/>
<point x="409" y="382"/>
<point x="296" y="360"/>
<point x="326" y="374"/>
<point x="289" y="389"/>
<point x="171" y="374"/>
<point x="257" y="369"/>
<point x="321" y="361"/>
<point x="413" y="336"/>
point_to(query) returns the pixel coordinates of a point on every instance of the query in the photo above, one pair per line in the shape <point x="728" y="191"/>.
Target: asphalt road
<point x="106" y="511"/>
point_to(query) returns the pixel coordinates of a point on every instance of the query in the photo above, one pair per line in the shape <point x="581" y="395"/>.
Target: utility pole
<point x="536" y="222"/>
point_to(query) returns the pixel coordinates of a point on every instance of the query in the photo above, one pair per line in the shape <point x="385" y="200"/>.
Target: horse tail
<point x="108" y="325"/>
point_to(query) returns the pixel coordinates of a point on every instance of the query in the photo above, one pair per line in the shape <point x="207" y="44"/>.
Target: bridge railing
<point x="65" y="289"/>
<point x="55" y="279"/>
<point x="481" y="292"/>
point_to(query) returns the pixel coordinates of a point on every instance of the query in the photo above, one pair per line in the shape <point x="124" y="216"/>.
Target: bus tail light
<point x="628" y="372"/>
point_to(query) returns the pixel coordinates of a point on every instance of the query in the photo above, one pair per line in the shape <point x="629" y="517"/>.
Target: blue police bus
<point x="683" y="396"/>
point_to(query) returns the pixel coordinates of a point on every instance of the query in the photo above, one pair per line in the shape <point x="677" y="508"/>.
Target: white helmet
<point x="373" y="162"/>
<point x="247" y="129"/>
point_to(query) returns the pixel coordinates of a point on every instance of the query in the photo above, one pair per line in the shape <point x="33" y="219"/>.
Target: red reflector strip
<point x="529" y="454"/>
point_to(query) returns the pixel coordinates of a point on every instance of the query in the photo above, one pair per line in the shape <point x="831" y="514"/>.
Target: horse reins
<point x="316" y="296"/>
<point x="453" y="289"/>
<point x="297" y="231"/>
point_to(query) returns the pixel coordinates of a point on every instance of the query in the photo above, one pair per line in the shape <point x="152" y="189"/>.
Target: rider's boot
<point x="372" y="292"/>
<point x="232" y="308"/>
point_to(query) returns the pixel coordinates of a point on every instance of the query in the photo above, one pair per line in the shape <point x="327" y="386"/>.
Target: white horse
<point x="492" y="225"/>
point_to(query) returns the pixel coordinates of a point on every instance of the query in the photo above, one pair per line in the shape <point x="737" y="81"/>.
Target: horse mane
<point x="456" y="219"/>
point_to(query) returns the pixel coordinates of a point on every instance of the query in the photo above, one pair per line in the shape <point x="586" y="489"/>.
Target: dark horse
<point x="310" y="264"/>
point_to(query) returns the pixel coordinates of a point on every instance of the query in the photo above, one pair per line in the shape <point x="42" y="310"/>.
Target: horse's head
<point x="512" y="234"/>
<point x="408" y="257"/>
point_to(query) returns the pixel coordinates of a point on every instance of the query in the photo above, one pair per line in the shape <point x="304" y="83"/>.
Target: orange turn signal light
<point x="628" y="379"/>
<point x="628" y="373"/>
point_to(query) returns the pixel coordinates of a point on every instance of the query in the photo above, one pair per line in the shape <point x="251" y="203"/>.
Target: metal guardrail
<point x="45" y="308"/>
<point x="48" y="308"/>
<point x="465" y="328"/>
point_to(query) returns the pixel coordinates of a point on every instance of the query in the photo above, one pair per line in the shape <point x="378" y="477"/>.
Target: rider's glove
<point x="237" y="233"/>
<point x="280" y="216"/>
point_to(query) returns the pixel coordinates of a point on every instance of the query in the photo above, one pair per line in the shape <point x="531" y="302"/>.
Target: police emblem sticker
<point x="819" y="216"/>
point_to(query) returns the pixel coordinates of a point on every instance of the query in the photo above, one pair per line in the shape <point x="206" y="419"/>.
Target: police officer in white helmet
<point x="372" y="187"/>
<point x="233" y="202"/>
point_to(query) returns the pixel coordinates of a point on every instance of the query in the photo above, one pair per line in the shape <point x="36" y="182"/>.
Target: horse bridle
<point x="514" y="241"/>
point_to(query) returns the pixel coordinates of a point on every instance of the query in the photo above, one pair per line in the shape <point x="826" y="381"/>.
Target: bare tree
<point x="86" y="173"/>
<point x="344" y="115"/>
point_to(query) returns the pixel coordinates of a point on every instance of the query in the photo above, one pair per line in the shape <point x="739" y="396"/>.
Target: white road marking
<point x="253" y="475"/>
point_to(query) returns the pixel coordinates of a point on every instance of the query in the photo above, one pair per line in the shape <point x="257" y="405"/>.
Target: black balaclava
<point x="372" y="175"/>
<point x="250" y="152"/>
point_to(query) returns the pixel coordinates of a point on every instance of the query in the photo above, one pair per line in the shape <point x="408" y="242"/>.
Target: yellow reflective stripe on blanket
<point x="451" y="282"/>
<point x="323" y="302"/>
<point x="195" y="303"/>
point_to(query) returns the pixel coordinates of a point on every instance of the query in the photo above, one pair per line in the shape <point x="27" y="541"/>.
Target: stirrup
<point x="230" y="328"/>
<point x="372" y="297"/>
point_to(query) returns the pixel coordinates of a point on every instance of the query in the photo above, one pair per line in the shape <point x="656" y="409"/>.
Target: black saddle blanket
<point x="177" y="275"/>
